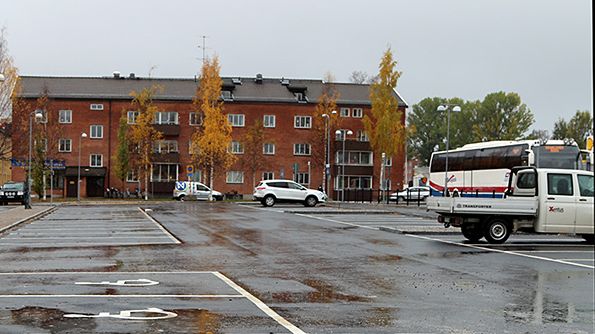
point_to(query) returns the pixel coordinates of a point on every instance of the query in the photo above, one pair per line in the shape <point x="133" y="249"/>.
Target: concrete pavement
<point x="12" y="216"/>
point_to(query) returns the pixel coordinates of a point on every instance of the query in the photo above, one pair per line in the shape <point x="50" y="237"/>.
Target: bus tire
<point x="472" y="232"/>
<point x="497" y="230"/>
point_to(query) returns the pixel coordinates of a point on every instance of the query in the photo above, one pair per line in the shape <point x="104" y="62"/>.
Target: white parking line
<point x="174" y="239"/>
<point x="502" y="251"/>
<point x="122" y="296"/>
<point x="262" y="306"/>
<point x="77" y="238"/>
<point x="580" y="260"/>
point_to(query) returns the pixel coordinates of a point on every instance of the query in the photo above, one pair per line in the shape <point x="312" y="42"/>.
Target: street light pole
<point x="38" y="115"/>
<point x="78" y="180"/>
<point x="447" y="108"/>
<point x="344" y="133"/>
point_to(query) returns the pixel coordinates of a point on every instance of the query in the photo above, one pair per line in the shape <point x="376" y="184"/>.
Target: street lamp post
<point x="78" y="180"/>
<point x="327" y="153"/>
<point x="38" y="116"/>
<point x="447" y="108"/>
<point x="343" y="133"/>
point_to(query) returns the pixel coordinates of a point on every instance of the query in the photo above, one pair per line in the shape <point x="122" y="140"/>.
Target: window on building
<point x="300" y="97"/>
<point x="195" y="118"/>
<point x="302" y="178"/>
<point x="269" y="121"/>
<point x="226" y="95"/>
<point x="164" y="172"/>
<point x="234" y="177"/>
<point x="165" y="146"/>
<point x="132" y="115"/>
<point x="43" y="142"/>
<point x="353" y="182"/>
<point x="344" y="112"/>
<point x="96" y="106"/>
<point x="166" y="117"/>
<point x="96" y="131"/>
<point x="65" y="145"/>
<point x="268" y="175"/>
<point x="389" y="162"/>
<point x="132" y="176"/>
<point x="354" y="158"/>
<point x="301" y="149"/>
<point x="268" y="148"/>
<point x="357" y="113"/>
<point x="65" y="116"/>
<point x="236" y="147"/>
<point x="236" y="120"/>
<point x="302" y="122"/>
<point x="362" y="136"/>
<point x="96" y="160"/>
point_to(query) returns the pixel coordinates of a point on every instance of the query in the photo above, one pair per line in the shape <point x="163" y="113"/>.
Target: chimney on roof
<point x="116" y="74"/>
<point x="131" y="76"/>
<point x="258" y="79"/>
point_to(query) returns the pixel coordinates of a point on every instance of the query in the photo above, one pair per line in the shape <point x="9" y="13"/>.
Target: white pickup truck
<point x="537" y="200"/>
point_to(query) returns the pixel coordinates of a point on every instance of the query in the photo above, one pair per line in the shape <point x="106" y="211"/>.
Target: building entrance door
<point x="95" y="186"/>
<point x="70" y="187"/>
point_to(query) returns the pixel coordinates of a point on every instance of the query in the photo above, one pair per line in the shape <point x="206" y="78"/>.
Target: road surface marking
<point x="171" y="236"/>
<point x="127" y="314"/>
<point x="122" y="296"/>
<point x="262" y="306"/>
<point x="502" y="251"/>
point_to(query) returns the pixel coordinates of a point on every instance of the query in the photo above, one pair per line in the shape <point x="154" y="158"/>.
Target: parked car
<point x="270" y="192"/>
<point x="411" y="194"/>
<point x="184" y="190"/>
<point x="12" y="192"/>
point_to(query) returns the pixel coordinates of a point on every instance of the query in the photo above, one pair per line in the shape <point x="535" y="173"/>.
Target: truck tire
<point x="472" y="232"/>
<point x="497" y="231"/>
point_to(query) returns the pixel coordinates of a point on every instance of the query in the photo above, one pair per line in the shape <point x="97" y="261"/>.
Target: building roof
<point x="249" y="90"/>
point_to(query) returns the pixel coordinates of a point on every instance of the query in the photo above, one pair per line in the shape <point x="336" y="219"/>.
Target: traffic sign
<point x="190" y="169"/>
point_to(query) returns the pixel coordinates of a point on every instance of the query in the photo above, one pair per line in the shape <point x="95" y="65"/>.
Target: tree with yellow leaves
<point x="385" y="124"/>
<point x="211" y="141"/>
<point x="143" y="133"/>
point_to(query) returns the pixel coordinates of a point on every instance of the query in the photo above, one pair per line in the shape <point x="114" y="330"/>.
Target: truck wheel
<point x="310" y="201"/>
<point x="497" y="231"/>
<point x="269" y="200"/>
<point x="590" y="238"/>
<point x="471" y="232"/>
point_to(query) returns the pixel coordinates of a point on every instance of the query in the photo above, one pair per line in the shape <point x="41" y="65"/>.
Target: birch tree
<point x="8" y="85"/>
<point x="143" y="133"/>
<point x="211" y="141"/>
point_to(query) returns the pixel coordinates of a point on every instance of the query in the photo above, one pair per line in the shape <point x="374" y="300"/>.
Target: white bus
<point x="482" y="169"/>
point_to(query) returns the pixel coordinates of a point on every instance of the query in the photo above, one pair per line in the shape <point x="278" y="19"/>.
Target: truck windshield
<point x="559" y="156"/>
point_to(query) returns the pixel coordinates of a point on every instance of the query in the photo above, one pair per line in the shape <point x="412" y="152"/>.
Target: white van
<point x="194" y="190"/>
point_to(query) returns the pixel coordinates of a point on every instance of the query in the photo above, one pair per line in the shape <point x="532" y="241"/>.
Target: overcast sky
<point x="541" y="49"/>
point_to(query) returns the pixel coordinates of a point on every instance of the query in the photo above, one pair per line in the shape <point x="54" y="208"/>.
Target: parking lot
<point x="229" y="268"/>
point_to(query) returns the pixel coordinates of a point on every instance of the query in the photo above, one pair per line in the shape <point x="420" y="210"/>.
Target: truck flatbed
<point x="513" y="206"/>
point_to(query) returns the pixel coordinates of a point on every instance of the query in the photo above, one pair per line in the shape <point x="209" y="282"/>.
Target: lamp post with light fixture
<point x="447" y="108"/>
<point x="343" y="133"/>
<point x="78" y="180"/>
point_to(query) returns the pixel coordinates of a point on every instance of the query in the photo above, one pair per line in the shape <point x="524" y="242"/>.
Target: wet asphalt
<point x="244" y="269"/>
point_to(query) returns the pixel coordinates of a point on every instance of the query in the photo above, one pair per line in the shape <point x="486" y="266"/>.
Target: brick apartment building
<point x="93" y="105"/>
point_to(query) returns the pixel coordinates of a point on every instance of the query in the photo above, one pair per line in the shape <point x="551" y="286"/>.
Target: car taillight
<point x="260" y="188"/>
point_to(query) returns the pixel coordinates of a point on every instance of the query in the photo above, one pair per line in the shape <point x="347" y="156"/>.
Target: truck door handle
<point x="551" y="198"/>
<point x="582" y="199"/>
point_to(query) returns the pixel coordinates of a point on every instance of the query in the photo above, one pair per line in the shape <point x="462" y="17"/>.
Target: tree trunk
<point x="211" y="182"/>
<point x="146" y="184"/>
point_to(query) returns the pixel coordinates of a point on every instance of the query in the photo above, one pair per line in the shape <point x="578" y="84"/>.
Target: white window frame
<point x="302" y="122"/>
<point x="234" y="177"/>
<point x="304" y="176"/>
<point x="132" y="176"/>
<point x="265" y="176"/>
<point x="93" y="135"/>
<point x="198" y="118"/>
<point x="131" y="116"/>
<point x="160" y="115"/>
<point x="269" y="152"/>
<point x="297" y="148"/>
<point x="226" y="95"/>
<point x="166" y="146"/>
<point x="64" y="140"/>
<point x="363" y="136"/>
<point x="91" y="160"/>
<point x="236" y="147"/>
<point x="360" y="112"/>
<point x="269" y="121"/>
<point x="236" y="120"/>
<point x="96" y="106"/>
<point x="177" y="168"/>
<point x="344" y="112"/>
<point x="67" y="116"/>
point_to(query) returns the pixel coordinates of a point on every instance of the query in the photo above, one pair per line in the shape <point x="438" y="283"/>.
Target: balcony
<point x="173" y="157"/>
<point x="352" y="145"/>
<point x="168" y="129"/>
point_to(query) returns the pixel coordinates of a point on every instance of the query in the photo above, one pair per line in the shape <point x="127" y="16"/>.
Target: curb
<point x="33" y="217"/>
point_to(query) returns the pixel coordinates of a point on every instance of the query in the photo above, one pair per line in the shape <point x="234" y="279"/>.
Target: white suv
<point x="270" y="192"/>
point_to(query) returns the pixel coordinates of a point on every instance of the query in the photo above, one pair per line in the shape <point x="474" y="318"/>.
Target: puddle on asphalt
<point x="385" y="258"/>
<point x="48" y="318"/>
<point x="324" y="293"/>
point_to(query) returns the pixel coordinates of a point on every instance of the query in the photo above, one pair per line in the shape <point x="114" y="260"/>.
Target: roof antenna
<point x="204" y="48"/>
